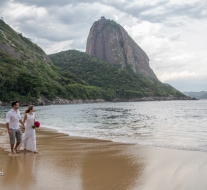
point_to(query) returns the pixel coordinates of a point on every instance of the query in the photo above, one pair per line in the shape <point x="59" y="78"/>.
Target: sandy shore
<point x="74" y="163"/>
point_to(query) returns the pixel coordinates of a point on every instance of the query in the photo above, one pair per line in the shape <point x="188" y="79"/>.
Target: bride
<point x="29" y="135"/>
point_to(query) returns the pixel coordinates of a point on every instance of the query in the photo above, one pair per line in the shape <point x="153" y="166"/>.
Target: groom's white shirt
<point x="13" y="117"/>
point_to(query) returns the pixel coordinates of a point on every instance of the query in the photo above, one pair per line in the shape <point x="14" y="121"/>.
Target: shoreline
<point x="67" y="162"/>
<point x="42" y="101"/>
<point x="57" y="101"/>
<point x="112" y="141"/>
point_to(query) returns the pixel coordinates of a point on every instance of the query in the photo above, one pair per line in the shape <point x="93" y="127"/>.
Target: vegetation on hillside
<point x="31" y="73"/>
<point x="115" y="81"/>
<point x="25" y="81"/>
<point x="26" y="72"/>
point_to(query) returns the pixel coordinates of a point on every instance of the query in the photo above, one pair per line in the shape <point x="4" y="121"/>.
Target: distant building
<point x="103" y="18"/>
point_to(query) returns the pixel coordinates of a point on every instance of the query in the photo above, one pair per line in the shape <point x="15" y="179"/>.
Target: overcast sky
<point x="173" y="33"/>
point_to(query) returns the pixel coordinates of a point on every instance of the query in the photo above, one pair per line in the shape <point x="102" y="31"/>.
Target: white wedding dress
<point x="29" y="135"/>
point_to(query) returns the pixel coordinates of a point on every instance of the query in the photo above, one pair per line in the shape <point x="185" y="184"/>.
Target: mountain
<point x="198" y="95"/>
<point x="115" y="81"/>
<point x="27" y="73"/>
<point x="110" y="42"/>
<point x="204" y="96"/>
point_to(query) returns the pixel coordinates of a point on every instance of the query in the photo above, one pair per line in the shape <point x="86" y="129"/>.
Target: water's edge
<point x="42" y="101"/>
<point x="108" y="140"/>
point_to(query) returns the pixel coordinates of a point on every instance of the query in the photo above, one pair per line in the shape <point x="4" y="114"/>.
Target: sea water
<point x="171" y="124"/>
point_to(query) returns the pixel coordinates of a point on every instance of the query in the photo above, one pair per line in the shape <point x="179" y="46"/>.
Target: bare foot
<point x="36" y="152"/>
<point x="17" y="151"/>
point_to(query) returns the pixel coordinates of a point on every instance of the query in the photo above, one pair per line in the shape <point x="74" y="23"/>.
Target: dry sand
<point x="75" y="163"/>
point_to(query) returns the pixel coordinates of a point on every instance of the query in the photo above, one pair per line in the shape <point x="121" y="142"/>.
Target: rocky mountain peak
<point x="110" y="42"/>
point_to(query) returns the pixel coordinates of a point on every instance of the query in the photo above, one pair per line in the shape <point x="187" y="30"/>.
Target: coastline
<point x="66" y="162"/>
<point x="170" y="98"/>
<point x="42" y="101"/>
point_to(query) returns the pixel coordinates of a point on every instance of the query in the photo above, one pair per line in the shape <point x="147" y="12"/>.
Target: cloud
<point x="191" y="83"/>
<point x="176" y="75"/>
<point x="2" y="3"/>
<point x="50" y="3"/>
<point x="154" y="11"/>
<point x="56" y="24"/>
<point x="165" y="12"/>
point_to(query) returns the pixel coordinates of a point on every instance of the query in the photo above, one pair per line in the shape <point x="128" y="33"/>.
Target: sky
<point x="173" y="33"/>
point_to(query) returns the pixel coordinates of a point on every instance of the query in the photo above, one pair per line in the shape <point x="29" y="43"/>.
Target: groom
<point x="13" y="118"/>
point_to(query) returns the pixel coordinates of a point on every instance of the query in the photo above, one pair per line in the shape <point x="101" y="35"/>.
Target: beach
<point x="66" y="162"/>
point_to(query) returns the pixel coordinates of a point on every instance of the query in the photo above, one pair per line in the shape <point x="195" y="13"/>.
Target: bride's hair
<point x="28" y="109"/>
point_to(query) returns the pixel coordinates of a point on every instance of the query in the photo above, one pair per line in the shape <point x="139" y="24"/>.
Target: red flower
<point x="37" y="124"/>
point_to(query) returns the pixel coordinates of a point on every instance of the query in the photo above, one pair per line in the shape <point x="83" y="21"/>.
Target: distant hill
<point x="115" y="81"/>
<point x="26" y="72"/>
<point x="198" y="95"/>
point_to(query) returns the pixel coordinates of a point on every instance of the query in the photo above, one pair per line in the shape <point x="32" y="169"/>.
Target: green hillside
<point x="115" y="81"/>
<point x="26" y="72"/>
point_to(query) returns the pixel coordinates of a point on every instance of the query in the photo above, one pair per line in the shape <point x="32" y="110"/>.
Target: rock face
<point x="110" y="42"/>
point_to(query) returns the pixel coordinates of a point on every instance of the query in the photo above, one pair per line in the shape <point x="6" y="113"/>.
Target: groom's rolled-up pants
<point x="15" y="133"/>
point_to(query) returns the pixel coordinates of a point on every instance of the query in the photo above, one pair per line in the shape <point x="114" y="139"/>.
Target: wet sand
<point x="66" y="162"/>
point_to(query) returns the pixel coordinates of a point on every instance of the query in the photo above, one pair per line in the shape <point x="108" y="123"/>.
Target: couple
<point x="28" y="139"/>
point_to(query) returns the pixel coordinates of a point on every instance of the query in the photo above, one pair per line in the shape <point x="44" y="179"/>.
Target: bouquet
<point x="36" y="124"/>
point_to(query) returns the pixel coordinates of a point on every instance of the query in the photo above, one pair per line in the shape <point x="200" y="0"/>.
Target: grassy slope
<point x="116" y="82"/>
<point x="26" y="72"/>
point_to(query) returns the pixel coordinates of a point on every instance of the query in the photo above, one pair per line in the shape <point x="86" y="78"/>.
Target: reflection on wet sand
<point x="87" y="163"/>
<point x="19" y="171"/>
<point x="110" y="168"/>
<point x="77" y="163"/>
<point x="71" y="163"/>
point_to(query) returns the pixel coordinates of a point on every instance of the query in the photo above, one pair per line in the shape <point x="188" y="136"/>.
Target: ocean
<point x="169" y="124"/>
